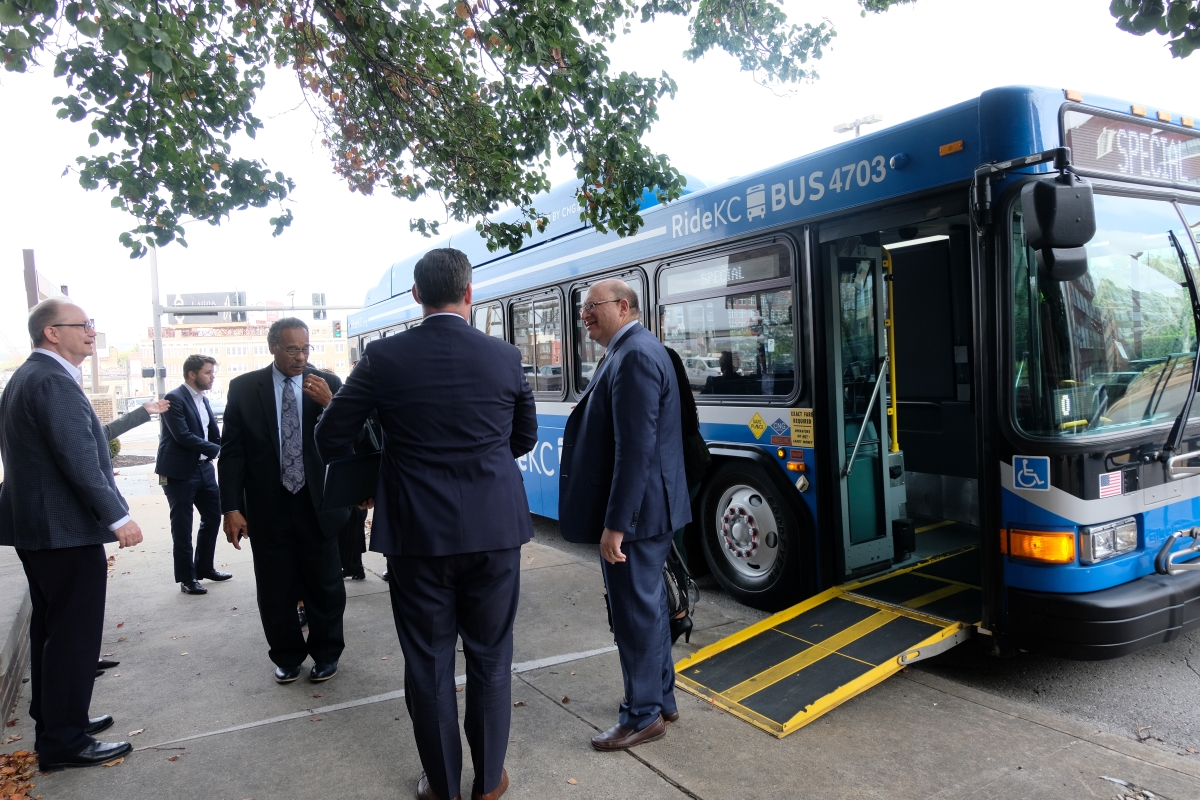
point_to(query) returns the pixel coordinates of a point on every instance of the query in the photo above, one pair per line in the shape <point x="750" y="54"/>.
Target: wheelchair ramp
<point x="787" y="670"/>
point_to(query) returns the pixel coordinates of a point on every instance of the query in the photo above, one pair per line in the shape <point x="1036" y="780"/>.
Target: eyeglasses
<point x="90" y="325"/>
<point x="588" y="308"/>
<point x="295" y="351"/>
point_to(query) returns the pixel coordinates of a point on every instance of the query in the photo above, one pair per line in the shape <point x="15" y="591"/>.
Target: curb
<point x="14" y="658"/>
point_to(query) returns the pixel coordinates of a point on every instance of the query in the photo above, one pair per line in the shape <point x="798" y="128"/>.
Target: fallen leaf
<point x="120" y="624"/>
<point x="316" y="719"/>
<point x="566" y="699"/>
<point x="135" y="733"/>
<point x="233" y="608"/>
<point x="572" y="781"/>
<point x="113" y="763"/>
<point x="12" y="722"/>
<point x="518" y="704"/>
<point x="122" y="639"/>
<point x="1189" y="749"/>
<point x="319" y="694"/>
<point x="172" y="758"/>
<point x="16" y="737"/>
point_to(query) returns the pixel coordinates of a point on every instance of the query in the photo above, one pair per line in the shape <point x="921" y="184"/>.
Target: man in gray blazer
<point x="59" y="505"/>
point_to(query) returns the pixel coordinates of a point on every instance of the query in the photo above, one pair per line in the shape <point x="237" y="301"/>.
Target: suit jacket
<point x="182" y="439"/>
<point x="126" y="423"/>
<point x="58" y="489"/>
<point x="456" y="411"/>
<point x="622" y="452"/>
<point x="249" y="470"/>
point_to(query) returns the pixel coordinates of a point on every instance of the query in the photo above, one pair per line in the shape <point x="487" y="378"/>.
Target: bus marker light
<point x="1164" y="116"/>
<point x="953" y="147"/>
<point x="1074" y="95"/>
<point x="1138" y="111"/>
<point x="1188" y="122"/>
<point x="781" y="453"/>
<point x="795" y="466"/>
<point x="1051" y="547"/>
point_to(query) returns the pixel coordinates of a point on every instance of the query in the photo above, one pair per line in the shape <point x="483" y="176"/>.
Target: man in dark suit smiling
<point x="187" y="444"/>
<point x="622" y="485"/>
<point x="450" y="515"/>
<point x="272" y="482"/>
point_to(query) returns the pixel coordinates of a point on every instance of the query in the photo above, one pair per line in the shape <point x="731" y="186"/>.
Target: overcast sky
<point x="907" y="62"/>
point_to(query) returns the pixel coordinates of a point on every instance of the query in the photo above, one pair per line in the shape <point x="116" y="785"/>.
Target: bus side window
<point x="489" y="319"/>
<point x="587" y="352"/>
<point x="538" y="334"/>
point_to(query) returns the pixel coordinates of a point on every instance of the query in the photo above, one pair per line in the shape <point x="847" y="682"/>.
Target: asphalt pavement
<point x="194" y="694"/>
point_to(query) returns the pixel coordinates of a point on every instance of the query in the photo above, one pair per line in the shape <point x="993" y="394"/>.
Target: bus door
<point x="859" y="378"/>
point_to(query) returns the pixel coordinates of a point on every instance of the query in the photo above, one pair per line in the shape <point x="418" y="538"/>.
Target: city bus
<point x="915" y="400"/>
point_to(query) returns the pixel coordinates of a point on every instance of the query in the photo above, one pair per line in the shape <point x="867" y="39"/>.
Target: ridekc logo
<point x="757" y="201"/>
<point x="1031" y="473"/>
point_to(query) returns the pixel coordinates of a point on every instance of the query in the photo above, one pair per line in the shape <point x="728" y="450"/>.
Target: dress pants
<point x="638" y="599"/>
<point x="294" y="560"/>
<point x="66" y="587"/>
<point x="436" y="600"/>
<point x="352" y="540"/>
<point x="200" y="490"/>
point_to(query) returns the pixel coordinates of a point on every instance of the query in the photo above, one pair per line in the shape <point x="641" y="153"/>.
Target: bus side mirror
<point x="1060" y="218"/>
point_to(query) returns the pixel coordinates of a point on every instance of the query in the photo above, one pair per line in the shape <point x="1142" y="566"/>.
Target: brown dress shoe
<point x="494" y="794"/>
<point x="671" y="717"/>
<point x="425" y="793"/>
<point x="618" y="737"/>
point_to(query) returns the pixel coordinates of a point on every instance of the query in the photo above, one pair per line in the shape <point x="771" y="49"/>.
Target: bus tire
<point x="752" y="538"/>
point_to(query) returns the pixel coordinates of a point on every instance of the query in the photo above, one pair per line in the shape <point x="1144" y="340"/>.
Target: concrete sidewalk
<point x="196" y="682"/>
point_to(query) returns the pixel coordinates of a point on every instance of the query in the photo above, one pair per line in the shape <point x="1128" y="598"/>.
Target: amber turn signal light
<point x="795" y="466"/>
<point x="1049" y="547"/>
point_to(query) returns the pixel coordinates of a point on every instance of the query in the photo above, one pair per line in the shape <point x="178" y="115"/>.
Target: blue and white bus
<point x="889" y="374"/>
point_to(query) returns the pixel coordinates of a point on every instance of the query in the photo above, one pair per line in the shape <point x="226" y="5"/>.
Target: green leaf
<point x="88" y="27"/>
<point x="93" y="139"/>
<point x="9" y="15"/>
<point x="162" y="60"/>
<point x="17" y="40"/>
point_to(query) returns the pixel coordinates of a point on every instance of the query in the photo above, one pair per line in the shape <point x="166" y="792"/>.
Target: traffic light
<point x="337" y="329"/>
<point x="318" y="300"/>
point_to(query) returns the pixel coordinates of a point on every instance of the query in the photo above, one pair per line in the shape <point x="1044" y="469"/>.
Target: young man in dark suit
<point x="59" y="506"/>
<point x="272" y="484"/>
<point x="622" y="484"/>
<point x="450" y="515"/>
<point x="187" y="444"/>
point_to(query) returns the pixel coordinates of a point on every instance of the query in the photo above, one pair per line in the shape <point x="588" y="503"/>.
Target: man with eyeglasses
<point x="59" y="506"/>
<point x="622" y="485"/>
<point x="272" y="483"/>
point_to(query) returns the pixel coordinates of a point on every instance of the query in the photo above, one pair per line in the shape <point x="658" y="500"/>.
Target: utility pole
<point x="160" y="387"/>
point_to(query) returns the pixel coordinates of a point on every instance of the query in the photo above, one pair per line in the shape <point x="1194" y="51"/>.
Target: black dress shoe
<point x="97" y="724"/>
<point x="94" y="753"/>
<point x="322" y="672"/>
<point x="192" y="587"/>
<point x="302" y="616"/>
<point x="215" y="575"/>
<point x="99" y="672"/>
<point x="286" y="675"/>
<point x="618" y="737"/>
<point x="355" y="575"/>
<point x="384" y="576"/>
<point x="106" y="664"/>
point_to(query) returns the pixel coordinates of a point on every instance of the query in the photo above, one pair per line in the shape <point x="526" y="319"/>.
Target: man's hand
<point x="129" y="534"/>
<point x="368" y="503"/>
<point x="157" y="406"/>
<point x="610" y="546"/>
<point x="235" y="528"/>
<point x="316" y="388"/>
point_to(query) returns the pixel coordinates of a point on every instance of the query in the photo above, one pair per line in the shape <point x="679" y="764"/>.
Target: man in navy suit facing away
<point x="59" y="506"/>
<point x="450" y="515"/>
<point x="187" y="444"/>
<point x="622" y="484"/>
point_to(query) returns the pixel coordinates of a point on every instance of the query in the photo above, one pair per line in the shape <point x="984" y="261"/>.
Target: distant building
<point x="238" y="347"/>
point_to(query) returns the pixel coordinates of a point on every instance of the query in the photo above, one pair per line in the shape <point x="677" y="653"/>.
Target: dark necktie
<point x="292" y="462"/>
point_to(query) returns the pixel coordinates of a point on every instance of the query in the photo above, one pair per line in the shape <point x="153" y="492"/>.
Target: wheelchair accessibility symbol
<point x="1031" y="473"/>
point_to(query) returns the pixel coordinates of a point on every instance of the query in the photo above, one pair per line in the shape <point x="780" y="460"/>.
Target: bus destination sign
<point x="1132" y="148"/>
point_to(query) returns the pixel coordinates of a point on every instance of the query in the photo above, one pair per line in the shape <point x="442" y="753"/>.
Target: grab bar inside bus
<point x="862" y="429"/>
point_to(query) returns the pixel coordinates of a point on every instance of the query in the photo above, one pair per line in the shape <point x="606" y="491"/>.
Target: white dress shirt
<point x="201" y="411"/>
<point x="76" y="375"/>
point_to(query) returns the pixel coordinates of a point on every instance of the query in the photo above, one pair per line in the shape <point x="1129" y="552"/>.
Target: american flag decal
<point x="1110" y="484"/>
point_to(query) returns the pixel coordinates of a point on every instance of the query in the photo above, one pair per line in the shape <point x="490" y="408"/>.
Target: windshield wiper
<point x="1175" y="439"/>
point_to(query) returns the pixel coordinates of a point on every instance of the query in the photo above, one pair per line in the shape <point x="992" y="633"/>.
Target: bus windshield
<point x="1114" y="349"/>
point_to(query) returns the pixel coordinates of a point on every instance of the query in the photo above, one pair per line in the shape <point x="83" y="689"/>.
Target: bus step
<point x="787" y="670"/>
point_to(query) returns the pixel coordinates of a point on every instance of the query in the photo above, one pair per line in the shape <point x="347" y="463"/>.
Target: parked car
<point x="218" y="408"/>
<point x="700" y="368"/>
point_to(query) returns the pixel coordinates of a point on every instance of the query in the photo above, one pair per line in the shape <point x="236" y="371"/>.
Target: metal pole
<point x="889" y="325"/>
<point x="156" y="308"/>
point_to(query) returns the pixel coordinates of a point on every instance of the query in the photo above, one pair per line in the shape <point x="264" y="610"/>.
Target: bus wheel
<point x="752" y="539"/>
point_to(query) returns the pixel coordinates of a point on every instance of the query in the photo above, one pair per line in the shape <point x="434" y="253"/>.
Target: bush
<point x="114" y="448"/>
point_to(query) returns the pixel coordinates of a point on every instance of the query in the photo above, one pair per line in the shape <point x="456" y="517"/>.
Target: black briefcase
<point x="349" y="480"/>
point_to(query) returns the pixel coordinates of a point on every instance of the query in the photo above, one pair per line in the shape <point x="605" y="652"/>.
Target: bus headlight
<point x="1101" y="542"/>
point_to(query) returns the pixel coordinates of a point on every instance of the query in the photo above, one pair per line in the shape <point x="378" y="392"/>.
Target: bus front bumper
<point x="1109" y="623"/>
